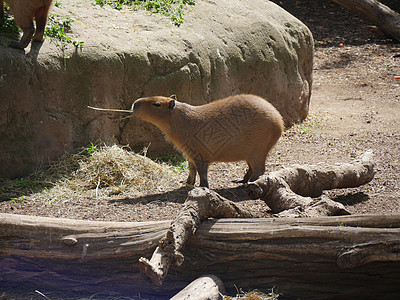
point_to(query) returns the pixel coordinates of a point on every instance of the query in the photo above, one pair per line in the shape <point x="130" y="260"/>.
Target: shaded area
<point x="331" y="24"/>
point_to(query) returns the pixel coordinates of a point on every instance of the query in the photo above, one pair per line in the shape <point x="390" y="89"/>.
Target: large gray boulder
<point x="223" y="47"/>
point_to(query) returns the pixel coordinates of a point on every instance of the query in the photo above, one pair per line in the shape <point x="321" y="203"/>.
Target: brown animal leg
<point x="41" y="19"/>
<point x="26" y="37"/>
<point x="257" y="172"/>
<point x="202" y="169"/>
<point x="256" y="168"/>
<point x="247" y="175"/>
<point x="24" y="20"/>
<point x="192" y="173"/>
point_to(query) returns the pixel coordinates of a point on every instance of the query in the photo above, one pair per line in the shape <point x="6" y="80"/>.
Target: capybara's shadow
<point x="351" y="198"/>
<point x="235" y="194"/>
<point x="179" y="195"/>
<point x="35" y="49"/>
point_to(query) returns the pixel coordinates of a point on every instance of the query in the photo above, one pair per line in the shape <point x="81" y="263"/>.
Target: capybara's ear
<point x="173" y="97"/>
<point x="171" y="104"/>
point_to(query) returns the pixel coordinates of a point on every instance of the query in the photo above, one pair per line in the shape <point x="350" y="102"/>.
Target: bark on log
<point x="200" y="205"/>
<point x="387" y="20"/>
<point x="292" y="188"/>
<point x="303" y="257"/>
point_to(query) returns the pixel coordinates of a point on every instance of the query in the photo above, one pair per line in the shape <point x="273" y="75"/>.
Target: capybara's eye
<point x="157" y="104"/>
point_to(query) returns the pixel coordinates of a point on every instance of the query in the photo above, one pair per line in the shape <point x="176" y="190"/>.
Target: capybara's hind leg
<point x="258" y="168"/>
<point x="247" y="176"/>
<point x="41" y="20"/>
<point x="26" y="37"/>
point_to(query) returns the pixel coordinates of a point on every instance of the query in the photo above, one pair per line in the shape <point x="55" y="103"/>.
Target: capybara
<point x="24" y="12"/>
<point x="241" y="127"/>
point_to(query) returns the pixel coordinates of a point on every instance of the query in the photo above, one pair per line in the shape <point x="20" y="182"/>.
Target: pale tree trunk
<point x="387" y="20"/>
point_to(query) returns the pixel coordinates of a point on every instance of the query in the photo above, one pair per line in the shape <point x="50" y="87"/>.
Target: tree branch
<point x="387" y="20"/>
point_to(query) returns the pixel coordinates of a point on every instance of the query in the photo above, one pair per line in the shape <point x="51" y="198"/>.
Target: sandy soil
<point x="355" y="106"/>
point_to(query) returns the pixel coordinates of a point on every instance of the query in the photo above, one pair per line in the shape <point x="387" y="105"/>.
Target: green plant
<point x="8" y="27"/>
<point x="176" y="160"/>
<point x="57" y="27"/>
<point x="173" y="9"/>
<point x="309" y="124"/>
<point x="13" y="189"/>
<point x="92" y="149"/>
<point x="58" y="4"/>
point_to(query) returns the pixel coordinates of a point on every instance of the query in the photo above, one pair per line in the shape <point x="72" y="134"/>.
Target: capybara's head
<point x="155" y="110"/>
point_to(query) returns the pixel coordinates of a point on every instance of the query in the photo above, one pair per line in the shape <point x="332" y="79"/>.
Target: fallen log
<point x="208" y="287"/>
<point x="281" y="190"/>
<point x="311" y="258"/>
<point x="294" y="187"/>
<point x="200" y="205"/>
<point x="387" y="20"/>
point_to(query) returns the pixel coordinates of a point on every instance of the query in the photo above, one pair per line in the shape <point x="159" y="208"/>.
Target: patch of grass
<point x="176" y="160"/>
<point x="40" y="181"/>
<point x="14" y="189"/>
<point x="8" y="27"/>
<point x="173" y="9"/>
<point x="308" y="125"/>
<point x="58" y="4"/>
<point x="58" y="27"/>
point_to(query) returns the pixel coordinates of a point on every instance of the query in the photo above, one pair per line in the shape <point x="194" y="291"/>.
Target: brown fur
<point x="241" y="127"/>
<point x="24" y="12"/>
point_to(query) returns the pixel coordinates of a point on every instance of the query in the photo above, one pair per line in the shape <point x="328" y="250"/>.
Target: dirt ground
<point x="355" y="106"/>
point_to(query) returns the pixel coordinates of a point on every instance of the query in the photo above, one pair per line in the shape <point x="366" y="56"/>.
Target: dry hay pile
<point x="105" y="171"/>
<point x="253" y="295"/>
<point x="114" y="170"/>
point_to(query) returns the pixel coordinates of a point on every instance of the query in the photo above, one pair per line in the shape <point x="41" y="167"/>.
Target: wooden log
<point x="294" y="186"/>
<point x="311" y="258"/>
<point x="200" y="205"/>
<point x="208" y="287"/>
<point x="387" y="20"/>
<point x="286" y="192"/>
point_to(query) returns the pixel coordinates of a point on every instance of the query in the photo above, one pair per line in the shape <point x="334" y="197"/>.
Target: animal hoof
<point x="189" y="186"/>
<point x="15" y="45"/>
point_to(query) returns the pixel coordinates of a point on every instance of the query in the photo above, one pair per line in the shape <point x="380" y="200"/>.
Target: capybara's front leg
<point x="192" y="173"/>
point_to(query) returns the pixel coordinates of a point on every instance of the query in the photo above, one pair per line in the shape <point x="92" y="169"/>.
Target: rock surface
<point x="222" y="48"/>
